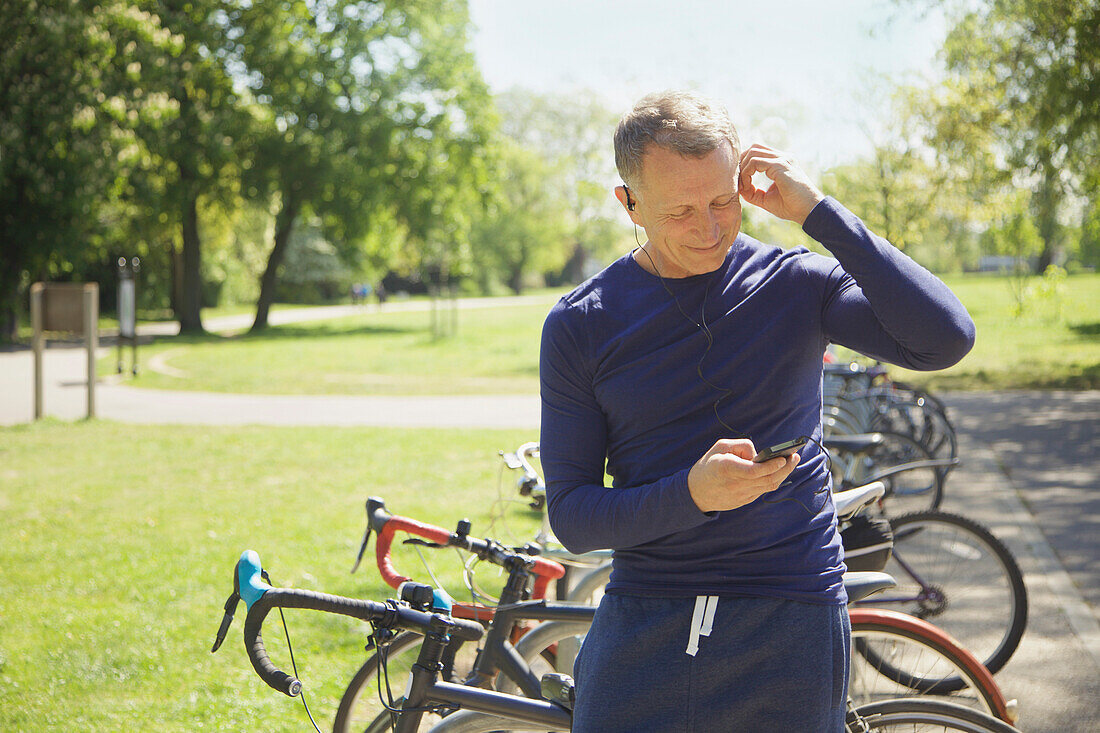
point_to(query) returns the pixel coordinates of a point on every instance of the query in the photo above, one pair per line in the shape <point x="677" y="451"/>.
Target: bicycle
<point x="919" y="649"/>
<point x="477" y="709"/>
<point x="497" y="656"/>
<point x="954" y="571"/>
<point x="950" y="570"/>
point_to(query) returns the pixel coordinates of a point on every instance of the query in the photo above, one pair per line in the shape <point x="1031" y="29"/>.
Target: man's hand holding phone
<point x="726" y="477"/>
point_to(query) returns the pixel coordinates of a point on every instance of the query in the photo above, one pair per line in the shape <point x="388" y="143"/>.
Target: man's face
<point x="689" y="208"/>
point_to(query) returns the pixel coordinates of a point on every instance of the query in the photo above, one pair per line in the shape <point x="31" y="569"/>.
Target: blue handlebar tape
<point x="250" y="586"/>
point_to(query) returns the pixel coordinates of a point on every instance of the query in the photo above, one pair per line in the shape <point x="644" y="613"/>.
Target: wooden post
<point x="91" y="338"/>
<point x="68" y="307"/>
<point x="37" y="342"/>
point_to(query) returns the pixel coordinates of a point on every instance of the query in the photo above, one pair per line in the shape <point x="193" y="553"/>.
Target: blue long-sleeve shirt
<point x="620" y="383"/>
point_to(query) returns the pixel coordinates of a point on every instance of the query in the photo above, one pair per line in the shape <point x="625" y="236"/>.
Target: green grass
<point x="118" y="545"/>
<point x="1054" y="344"/>
<point x="495" y="350"/>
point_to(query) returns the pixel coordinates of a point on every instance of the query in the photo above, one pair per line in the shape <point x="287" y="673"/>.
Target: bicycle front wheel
<point x="920" y="715"/>
<point x="953" y="572"/>
<point x="363" y="706"/>
<point x="468" y="721"/>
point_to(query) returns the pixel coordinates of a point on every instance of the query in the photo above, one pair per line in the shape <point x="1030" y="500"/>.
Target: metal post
<point x="135" y="268"/>
<point x="91" y="338"/>
<point x="37" y="342"/>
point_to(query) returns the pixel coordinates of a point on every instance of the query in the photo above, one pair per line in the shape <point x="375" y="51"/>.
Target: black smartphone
<point x="782" y="449"/>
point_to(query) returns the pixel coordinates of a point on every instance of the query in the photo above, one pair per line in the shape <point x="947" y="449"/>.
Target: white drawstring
<point x="702" y="621"/>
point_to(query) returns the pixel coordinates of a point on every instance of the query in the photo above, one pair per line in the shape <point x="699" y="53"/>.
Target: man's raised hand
<point x="791" y="195"/>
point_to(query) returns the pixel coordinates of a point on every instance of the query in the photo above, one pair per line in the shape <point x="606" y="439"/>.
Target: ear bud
<point x="629" y="201"/>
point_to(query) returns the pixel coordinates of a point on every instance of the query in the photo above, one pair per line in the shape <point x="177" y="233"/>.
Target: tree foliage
<point x="68" y="140"/>
<point x="526" y="228"/>
<point x="571" y="134"/>
<point x="1021" y="103"/>
<point x="162" y="122"/>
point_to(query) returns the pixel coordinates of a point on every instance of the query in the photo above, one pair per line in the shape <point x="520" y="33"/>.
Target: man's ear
<point x="628" y="202"/>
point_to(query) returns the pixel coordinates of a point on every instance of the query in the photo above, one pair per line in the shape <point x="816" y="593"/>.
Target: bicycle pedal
<point x="559" y="689"/>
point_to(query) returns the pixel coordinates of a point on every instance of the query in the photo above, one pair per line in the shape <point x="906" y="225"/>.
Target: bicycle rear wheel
<point x="539" y="641"/>
<point x="919" y="715"/>
<point x="919" y="488"/>
<point x="953" y="572"/>
<point x="895" y="655"/>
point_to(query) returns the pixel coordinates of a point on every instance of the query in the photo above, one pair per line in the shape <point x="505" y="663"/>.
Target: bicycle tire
<point x="899" y="716"/>
<point x="906" y="491"/>
<point x="970" y="585"/>
<point x="918" y="657"/>
<point x="910" y="490"/>
<point x="357" y="713"/>
<point x="590" y="584"/>
<point x="920" y="420"/>
<point x="537" y="641"/>
<point x="360" y="708"/>
<point x="921" y="714"/>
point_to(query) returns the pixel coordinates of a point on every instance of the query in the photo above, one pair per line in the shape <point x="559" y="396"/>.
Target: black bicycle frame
<point x="925" y="590"/>
<point x="499" y="654"/>
<point x="426" y="690"/>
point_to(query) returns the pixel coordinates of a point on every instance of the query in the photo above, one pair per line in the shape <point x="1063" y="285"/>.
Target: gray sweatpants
<point x="709" y="665"/>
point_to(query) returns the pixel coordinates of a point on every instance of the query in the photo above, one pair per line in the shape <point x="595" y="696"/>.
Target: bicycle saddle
<point x="851" y="501"/>
<point x="859" y="585"/>
<point x="855" y="443"/>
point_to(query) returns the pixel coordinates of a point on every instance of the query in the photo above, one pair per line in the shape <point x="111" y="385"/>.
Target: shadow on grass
<point x="1090" y="331"/>
<point x="1073" y="378"/>
<point x="287" y="332"/>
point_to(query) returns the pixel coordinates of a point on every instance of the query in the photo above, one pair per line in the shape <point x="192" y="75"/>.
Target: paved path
<point x="1043" y="501"/>
<point x="1030" y="473"/>
<point x="65" y="378"/>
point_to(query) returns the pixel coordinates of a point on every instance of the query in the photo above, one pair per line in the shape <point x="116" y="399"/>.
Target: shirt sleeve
<point x="880" y="302"/>
<point x="584" y="513"/>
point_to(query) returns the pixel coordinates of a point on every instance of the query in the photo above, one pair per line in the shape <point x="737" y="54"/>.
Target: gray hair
<point x="683" y="122"/>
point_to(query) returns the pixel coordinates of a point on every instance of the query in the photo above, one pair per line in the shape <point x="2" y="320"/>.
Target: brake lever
<point x="230" y="609"/>
<point x="363" y="546"/>
<point x="422" y="543"/>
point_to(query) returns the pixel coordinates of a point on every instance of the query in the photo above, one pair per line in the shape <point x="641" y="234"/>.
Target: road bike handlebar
<point x="260" y="598"/>
<point x="386" y="525"/>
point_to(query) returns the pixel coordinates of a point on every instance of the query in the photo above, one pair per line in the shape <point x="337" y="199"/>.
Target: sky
<point x="806" y="77"/>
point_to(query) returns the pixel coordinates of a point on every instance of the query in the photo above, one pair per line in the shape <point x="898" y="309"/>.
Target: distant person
<point x="671" y="369"/>
<point x="381" y="293"/>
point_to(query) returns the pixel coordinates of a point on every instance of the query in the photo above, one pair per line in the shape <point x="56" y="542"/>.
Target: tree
<point x="367" y="112"/>
<point x="526" y="229"/>
<point x="573" y="135"/>
<point x="67" y="142"/>
<point x="192" y="155"/>
<point x="1023" y="91"/>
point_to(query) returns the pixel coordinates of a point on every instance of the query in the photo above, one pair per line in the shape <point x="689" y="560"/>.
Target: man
<point x="725" y="609"/>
